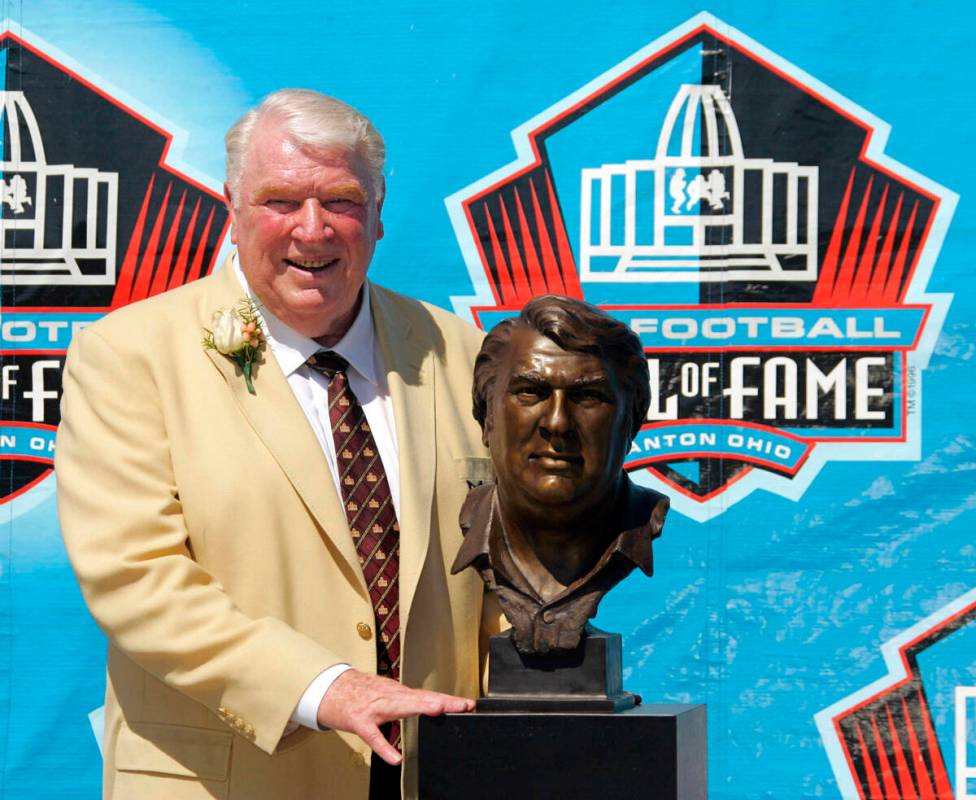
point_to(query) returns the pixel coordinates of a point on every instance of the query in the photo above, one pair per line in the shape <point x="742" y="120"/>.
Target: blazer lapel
<point x="278" y="420"/>
<point x="410" y="375"/>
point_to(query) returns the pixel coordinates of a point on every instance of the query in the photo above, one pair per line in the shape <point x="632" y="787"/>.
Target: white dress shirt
<point x="367" y="379"/>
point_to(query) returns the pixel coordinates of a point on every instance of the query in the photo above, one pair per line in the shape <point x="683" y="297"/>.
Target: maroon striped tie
<point x="369" y="509"/>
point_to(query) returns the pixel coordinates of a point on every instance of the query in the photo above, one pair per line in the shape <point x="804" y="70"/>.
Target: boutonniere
<point x="237" y="334"/>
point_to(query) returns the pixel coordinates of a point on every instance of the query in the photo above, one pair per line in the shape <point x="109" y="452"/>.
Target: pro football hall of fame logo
<point x="91" y="218"/>
<point x="743" y="219"/>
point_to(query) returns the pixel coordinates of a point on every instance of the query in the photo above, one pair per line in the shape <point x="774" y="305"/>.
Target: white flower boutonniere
<point x="237" y="334"/>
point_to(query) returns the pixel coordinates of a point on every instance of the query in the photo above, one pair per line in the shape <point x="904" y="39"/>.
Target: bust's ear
<point x="487" y="427"/>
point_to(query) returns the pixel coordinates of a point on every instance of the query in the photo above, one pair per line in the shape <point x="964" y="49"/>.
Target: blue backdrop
<point x="783" y="614"/>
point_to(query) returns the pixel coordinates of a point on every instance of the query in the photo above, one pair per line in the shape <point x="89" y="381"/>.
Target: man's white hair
<point x="312" y="120"/>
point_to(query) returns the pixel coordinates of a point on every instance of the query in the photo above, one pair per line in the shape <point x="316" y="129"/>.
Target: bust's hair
<point x="575" y="326"/>
<point x="312" y="120"/>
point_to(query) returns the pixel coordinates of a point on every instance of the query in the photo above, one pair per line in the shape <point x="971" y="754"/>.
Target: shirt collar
<point x="291" y="349"/>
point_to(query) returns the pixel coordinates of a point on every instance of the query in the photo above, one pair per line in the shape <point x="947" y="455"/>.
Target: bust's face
<point x="556" y="425"/>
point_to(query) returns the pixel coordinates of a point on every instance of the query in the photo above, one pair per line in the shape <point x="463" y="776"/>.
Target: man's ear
<point x="229" y="202"/>
<point x="379" y="209"/>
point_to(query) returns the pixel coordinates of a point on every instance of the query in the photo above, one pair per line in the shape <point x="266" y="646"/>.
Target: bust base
<point x="587" y="679"/>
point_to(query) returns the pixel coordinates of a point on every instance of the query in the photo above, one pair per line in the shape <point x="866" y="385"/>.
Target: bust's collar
<point x="476" y="521"/>
<point x="484" y="536"/>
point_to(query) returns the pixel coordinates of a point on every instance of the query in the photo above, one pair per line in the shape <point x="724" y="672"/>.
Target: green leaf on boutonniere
<point x="246" y="369"/>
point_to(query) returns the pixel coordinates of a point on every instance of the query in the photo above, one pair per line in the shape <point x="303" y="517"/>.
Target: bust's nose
<point x="556" y="422"/>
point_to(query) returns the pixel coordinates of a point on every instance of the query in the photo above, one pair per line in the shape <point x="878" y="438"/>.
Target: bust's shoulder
<point x="645" y="504"/>
<point x="646" y="497"/>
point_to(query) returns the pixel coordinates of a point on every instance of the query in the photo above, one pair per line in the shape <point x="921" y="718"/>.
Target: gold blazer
<point x="212" y="549"/>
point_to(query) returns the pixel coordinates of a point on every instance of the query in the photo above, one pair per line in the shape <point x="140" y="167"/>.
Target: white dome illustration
<point x="46" y="235"/>
<point x="712" y="215"/>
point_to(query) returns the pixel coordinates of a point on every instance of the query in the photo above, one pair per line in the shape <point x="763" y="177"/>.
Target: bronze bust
<point x="560" y="391"/>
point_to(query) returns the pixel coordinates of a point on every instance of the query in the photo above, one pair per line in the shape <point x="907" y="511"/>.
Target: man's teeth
<point x="310" y="264"/>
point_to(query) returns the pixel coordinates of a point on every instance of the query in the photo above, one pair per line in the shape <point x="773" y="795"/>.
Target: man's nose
<point x="556" y="420"/>
<point x="313" y="223"/>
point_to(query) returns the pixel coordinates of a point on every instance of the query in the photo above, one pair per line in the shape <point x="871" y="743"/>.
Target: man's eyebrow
<point x="346" y="191"/>
<point x="266" y="192"/>
<point x="342" y="191"/>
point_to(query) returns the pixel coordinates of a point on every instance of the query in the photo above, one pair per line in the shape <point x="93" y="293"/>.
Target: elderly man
<point x="263" y="524"/>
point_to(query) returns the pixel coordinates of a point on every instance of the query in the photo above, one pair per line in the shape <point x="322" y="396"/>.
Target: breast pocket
<point x="171" y="762"/>
<point x="475" y="470"/>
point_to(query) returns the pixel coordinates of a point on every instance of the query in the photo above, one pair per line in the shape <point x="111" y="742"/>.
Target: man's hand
<point x="360" y="703"/>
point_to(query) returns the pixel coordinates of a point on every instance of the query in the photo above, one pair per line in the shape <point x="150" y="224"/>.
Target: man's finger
<point x="379" y="745"/>
<point x="434" y="703"/>
<point x="404" y="702"/>
<point x="456" y="705"/>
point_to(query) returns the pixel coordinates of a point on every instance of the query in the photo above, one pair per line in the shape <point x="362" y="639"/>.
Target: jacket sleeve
<point x="125" y="534"/>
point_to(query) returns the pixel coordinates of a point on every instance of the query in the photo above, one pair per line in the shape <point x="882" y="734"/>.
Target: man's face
<point x="305" y="224"/>
<point x="556" y="426"/>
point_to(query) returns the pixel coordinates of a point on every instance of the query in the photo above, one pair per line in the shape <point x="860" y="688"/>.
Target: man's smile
<point x="311" y="265"/>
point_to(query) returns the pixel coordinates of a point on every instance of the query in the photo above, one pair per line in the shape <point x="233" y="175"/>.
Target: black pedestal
<point x="652" y="752"/>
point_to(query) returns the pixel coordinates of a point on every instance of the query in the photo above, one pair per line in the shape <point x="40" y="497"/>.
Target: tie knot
<point x="327" y="362"/>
